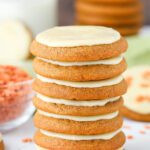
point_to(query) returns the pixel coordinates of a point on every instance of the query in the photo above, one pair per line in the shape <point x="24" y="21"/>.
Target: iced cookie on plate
<point x="137" y="99"/>
<point x="1" y="142"/>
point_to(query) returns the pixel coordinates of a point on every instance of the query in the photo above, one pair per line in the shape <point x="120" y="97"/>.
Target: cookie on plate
<point x="137" y="99"/>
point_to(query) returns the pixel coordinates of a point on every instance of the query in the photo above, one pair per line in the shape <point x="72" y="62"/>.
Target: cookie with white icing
<point x="87" y="43"/>
<point x="96" y="70"/>
<point x="137" y="99"/>
<point x="77" y="108"/>
<point x="55" y="143"/>
<point x="92" y="90"/>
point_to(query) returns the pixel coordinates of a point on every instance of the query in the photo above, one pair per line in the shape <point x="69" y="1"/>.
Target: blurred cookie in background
<point x="137" y="99"/>
<point x="15" y="40"/>
<point x="1" y="142"/>
<point x="126" y="16"/>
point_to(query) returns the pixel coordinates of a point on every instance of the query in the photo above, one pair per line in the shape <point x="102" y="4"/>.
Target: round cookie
<point x="108" y="10"/>
<point x="99" y="43"/>
<point x="75" y="127"/>
<point x="60" y="144"/>
<point x="78" y="73"/>
<point x="137" y="99"/>
<point x="67" y="92"/>
<point x="128" y="30"/>
<point x="112" y="1"/>
<point x="77" y="110"/>
<point x="109" y="21"/>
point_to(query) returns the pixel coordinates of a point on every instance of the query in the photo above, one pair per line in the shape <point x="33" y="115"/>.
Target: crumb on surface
<point x="27" y="140"/>
<point x="130" y="137"/>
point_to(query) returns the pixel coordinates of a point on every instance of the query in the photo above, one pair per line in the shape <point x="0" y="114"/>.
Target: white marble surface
<point x="13" y="139"/>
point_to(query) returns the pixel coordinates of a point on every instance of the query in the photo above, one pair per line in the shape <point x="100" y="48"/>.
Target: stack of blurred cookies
<point x="123" y="15"/>
<point x="79" y="88"/>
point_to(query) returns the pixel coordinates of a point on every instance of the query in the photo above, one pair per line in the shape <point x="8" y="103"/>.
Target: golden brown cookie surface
<point x="79" y="128"/>
<point x="80" y="53"/>
<point x="66" y="92"/>
<point x="78" y="73"/>
<point x="77" y="110"/>
<point x="1" y="145"/>
<point x="108" y="10"/>
<point x="112" y="1"/>
<point x="134" y="115"/>
<point x="61" y="144"/>
<point x="108" y="21"/>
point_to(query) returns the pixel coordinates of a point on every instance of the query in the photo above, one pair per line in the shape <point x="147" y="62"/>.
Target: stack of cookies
<point x="79" y="87"/>
<point x="123" y="15"/>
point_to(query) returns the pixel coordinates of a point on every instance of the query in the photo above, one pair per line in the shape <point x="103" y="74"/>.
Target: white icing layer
<point x="121" y="148"/>
<point x="139" y="89"/>
<point x="110" y="61"/>
<point x="90" y="84"/>
<point x="71" y="36"/>
<point x="75" y="102"/>
<point x="105" y="136"/>
<point x="40" y="148"/>
<point x="80" y="118"/>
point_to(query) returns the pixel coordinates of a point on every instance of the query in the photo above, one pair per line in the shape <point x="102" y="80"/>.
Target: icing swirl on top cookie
<point x="72" y="36"/>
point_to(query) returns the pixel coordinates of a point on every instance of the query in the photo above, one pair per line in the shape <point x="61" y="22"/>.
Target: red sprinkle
<point x="144" y="85"/>
<point x="130" y="137"/>
<point x="26" y="140"/>
<point x="129" y="80"/>
<point x="146" y="75"/>
<point x="126" y="127"/>
<point x="147" y="126"/>
<point x="143" y="98"/>
<point x="142" y="132"/>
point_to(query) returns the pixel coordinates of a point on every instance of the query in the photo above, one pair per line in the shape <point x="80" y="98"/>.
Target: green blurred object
<point x="139" y="50"/>
<point x="26" y="65"/>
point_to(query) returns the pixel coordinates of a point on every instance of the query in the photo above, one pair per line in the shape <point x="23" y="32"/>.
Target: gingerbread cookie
<point x="56" y="143"/>
<point x="77" y="108"/>
<point x="75" y="127"/>
<point x="102" y="69"/>
<point x="92" y="48"/>
<point x="108" y="10"/>
<point x="111" y="1"/>
<point x="137" y="99"/>
<point x="124" y="15"/>
<point x="77" y="90"/>
<point x="109" y="21"/>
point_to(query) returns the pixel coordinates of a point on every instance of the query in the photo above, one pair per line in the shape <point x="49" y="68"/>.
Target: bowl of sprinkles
<point x="15" y="97"/>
